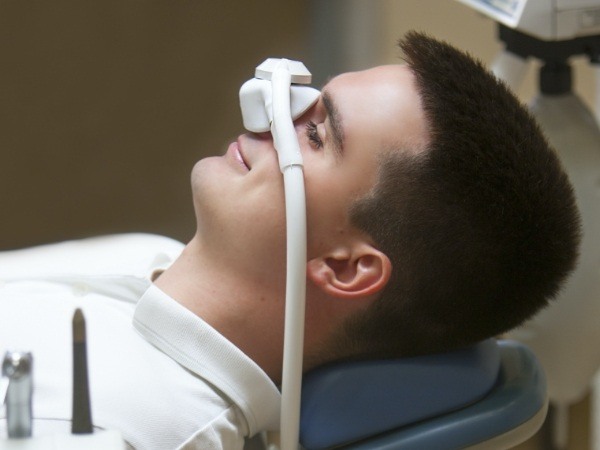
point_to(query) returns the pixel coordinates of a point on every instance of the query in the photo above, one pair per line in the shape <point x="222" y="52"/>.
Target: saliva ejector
<point x="270" y="102"/>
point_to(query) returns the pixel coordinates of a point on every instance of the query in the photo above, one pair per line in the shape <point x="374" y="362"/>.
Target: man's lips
<point x="233" y="151"/>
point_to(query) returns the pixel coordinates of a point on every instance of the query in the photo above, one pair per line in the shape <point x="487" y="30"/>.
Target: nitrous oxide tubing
<point x="290" y="163"/>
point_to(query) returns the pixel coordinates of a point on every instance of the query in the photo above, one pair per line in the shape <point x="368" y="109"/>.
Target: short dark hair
<point x="482" y="227"/>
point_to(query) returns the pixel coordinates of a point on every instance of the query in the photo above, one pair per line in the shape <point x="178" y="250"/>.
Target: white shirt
<point x="158" y="373"/>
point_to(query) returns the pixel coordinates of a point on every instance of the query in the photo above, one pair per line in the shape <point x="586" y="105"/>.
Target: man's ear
<point x="351" y="273"/>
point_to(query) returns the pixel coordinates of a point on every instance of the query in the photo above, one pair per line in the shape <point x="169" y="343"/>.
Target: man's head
<point x="240" y="206"/>
<point x="437" y="214"/>
<point x="481" y="227"/>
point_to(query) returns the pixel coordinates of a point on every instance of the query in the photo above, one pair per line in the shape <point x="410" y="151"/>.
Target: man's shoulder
<point x="130" y="253"/>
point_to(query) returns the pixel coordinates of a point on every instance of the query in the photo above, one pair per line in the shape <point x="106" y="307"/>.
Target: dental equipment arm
<point x="277" y="105"/>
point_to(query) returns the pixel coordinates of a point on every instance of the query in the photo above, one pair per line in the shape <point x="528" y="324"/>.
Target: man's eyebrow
<point x="335" y="122"/>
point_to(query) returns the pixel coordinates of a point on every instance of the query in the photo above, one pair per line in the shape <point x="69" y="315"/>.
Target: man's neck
<point x="247" y="314"/>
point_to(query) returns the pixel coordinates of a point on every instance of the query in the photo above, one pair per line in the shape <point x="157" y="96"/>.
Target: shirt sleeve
<point x="222" y="433"/>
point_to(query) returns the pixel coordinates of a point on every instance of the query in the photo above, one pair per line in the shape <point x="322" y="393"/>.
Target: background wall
<point x="106" y="105"/>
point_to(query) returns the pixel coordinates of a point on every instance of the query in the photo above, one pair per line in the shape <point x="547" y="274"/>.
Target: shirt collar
<point x="197" y="346"/>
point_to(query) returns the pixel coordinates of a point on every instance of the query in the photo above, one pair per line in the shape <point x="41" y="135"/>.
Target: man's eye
<point x="313" y="136"/>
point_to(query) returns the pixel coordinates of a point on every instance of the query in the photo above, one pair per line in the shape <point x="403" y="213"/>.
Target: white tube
<point x="290" y="162"/>
<point x="282" y="128"/>
<point x="294" y="307"/>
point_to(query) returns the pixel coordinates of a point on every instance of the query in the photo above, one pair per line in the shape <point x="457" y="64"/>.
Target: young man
<point x="437" y="216"/>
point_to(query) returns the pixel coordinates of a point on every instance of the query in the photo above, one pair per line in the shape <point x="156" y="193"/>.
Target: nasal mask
<point x="271" y="102"/>
<point x="281" y="79"/>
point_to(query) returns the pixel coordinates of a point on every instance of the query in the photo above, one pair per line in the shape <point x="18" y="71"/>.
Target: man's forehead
<point x="365" y="74"/>
<point x="385" y="98"/>
<point x="337" y="86"/>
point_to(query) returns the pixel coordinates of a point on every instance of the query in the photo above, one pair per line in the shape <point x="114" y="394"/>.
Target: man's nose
<point x="263" y="135"/>
<point x="299" y="125"/>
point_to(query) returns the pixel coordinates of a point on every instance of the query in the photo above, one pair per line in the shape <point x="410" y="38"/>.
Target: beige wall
<point x="106" y="105"/>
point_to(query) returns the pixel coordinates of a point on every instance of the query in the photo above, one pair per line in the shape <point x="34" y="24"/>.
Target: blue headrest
<point x="347" y="402"/>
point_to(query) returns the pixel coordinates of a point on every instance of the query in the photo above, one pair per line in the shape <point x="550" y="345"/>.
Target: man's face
<point x="239" y="197"/>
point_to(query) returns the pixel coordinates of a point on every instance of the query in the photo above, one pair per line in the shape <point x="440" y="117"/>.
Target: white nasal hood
<point x="256" y="97"/>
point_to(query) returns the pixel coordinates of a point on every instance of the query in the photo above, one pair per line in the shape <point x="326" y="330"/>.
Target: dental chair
<point x="491" y="395"/>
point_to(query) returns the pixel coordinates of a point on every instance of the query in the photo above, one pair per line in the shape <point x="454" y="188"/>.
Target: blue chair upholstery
<point x="454" y="400"/>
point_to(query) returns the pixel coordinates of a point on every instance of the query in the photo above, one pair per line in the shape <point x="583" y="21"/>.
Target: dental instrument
<point x="17" y="367"/>
<point x="553" y="32"/>
<point x="270" y="101"/>
<point x="17" y="381"/>
<point x="81" y="422"/>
